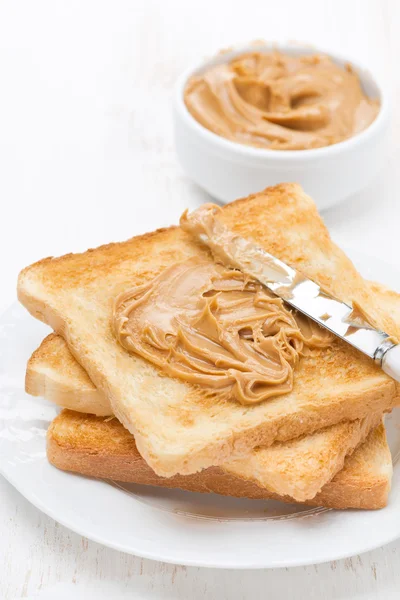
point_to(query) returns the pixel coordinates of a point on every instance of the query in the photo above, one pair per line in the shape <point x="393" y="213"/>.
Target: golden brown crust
<point x="73" y="294"/>
<point x="365" y="479"/>
<point x="110" y="452"/>
<point x="301" y="467"/>
<point x="305" y="464"/>
<point x="298" y="468"/>
<point x="54" y="374"/>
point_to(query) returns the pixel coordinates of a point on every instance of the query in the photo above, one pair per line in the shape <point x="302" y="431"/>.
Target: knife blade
<point x="303" y="294"/>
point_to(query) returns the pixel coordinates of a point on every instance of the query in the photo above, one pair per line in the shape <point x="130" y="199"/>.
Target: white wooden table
<point x="87" y="157"/>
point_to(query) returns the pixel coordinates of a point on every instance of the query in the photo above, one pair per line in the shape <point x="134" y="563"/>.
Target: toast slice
<point x="92" y="446"/>
<point x="52" y="372"/>
<point x="298" y="468"/>
<point x="179" y="428"/>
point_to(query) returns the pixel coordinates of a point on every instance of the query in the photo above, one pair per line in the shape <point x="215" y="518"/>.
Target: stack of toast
<point x="322" y="444"/>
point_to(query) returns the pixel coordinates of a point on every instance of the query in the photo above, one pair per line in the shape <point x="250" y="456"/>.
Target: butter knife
<point x="303" y="294"/>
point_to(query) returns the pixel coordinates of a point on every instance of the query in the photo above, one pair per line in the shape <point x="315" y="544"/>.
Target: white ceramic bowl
<point x="228" y="170"/>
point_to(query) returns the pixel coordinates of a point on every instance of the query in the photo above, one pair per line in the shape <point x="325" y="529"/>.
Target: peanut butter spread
<point x="215" y="327"/>
<point x="282" y="102"/>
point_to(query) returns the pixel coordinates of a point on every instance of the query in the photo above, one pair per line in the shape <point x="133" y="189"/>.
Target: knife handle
<point x="391" y="362"/>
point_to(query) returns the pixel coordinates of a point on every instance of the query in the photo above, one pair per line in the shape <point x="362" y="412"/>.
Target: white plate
<point x="174" y="526"/>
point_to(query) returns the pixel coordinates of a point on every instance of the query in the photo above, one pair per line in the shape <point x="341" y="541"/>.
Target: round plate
<point x="171" y="525"/>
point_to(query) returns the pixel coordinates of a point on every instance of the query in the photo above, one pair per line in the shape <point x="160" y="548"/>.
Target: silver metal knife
<point x="301" y="293"/>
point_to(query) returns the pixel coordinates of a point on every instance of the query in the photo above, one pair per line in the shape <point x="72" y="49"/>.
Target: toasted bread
<point x="53" y="373"/>
<point x="101" y="448"/>
<point x="298" y="468"/>
<point x="179" y="428"/>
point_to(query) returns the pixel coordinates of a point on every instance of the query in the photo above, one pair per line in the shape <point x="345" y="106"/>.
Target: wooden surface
<point x="87" y="157"/>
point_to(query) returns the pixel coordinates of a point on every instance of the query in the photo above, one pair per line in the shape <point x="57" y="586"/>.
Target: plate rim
<point x="291" y="563"/>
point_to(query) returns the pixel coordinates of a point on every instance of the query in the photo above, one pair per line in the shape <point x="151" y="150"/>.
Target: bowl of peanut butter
<point x="267" y="113"/>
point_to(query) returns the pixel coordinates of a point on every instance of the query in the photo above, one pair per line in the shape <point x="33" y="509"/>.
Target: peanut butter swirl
<point x="215" y="327"/>
<point x="282" y="102"/>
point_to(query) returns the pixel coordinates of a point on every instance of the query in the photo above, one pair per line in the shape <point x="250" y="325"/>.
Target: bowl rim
<point x="280" y="156"/>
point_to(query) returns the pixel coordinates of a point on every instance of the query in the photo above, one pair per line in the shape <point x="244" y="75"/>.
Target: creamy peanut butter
<point x="282" y="102"/>
<point x="215" y="327"/>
